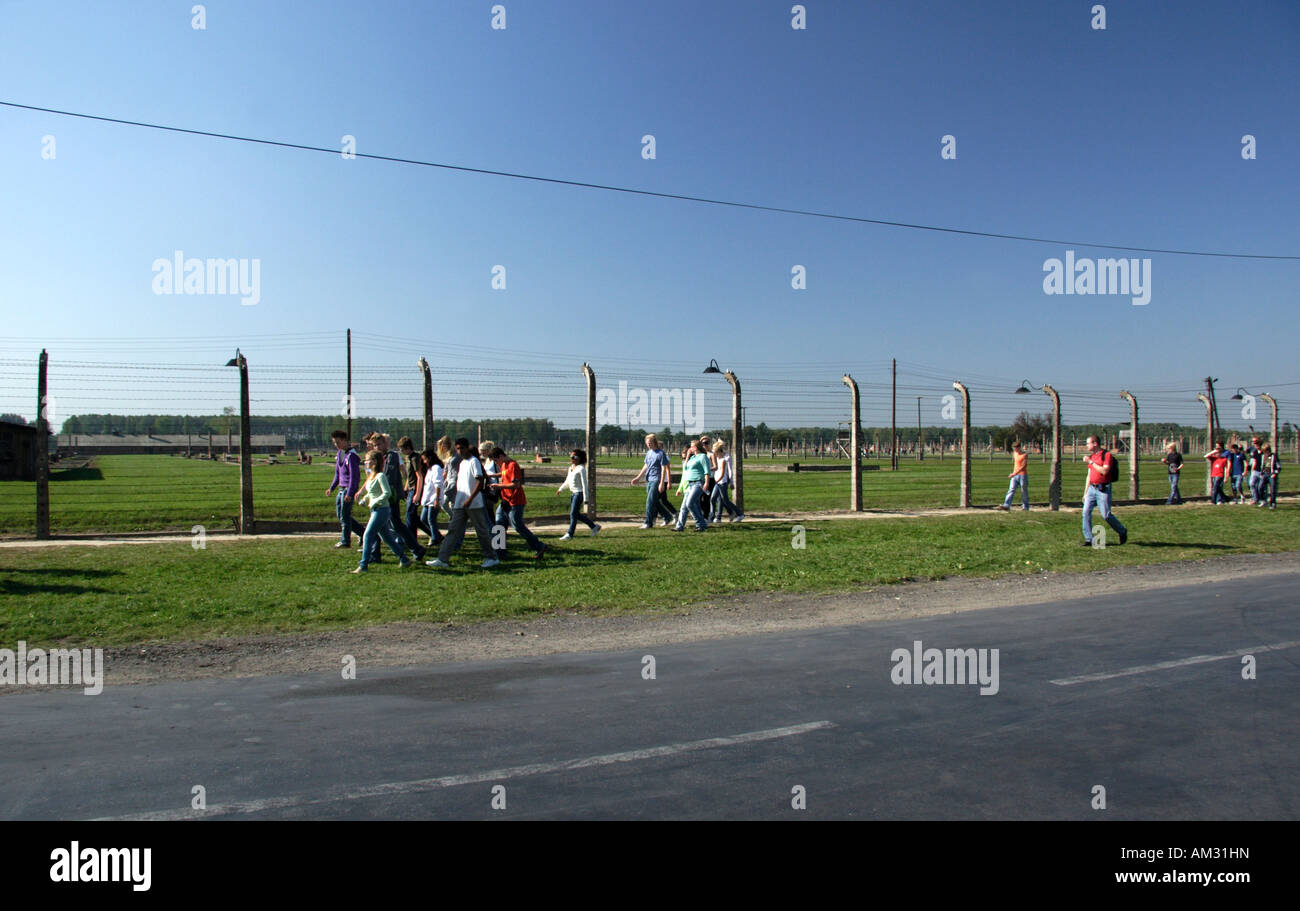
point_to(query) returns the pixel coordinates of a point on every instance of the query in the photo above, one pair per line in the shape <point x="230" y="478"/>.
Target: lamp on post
<point x="1054" y="487"/>
<point x="1241" y="394"/>
<point x="737" y="431"/>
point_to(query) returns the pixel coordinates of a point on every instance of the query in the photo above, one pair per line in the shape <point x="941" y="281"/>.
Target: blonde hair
<point x="444" y="447"/>
<point x="374" y="460"/>
<point x="719" y="446"/>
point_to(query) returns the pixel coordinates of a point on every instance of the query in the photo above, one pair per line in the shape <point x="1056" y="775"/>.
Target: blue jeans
<point x="1021" y="481"/>
<point x="381" y="526"/>
<point x="718" y="500"/>
<point x="1216" y="491"/>
<point x="691" y="503"/>
<point x="1174" y="495"/>
<point x="415" y="515"/>
<point x="515" y="516"/>
<point x="407" y="536"/>
<point x="1257" y="486"/>
<point x="654" y="504"/>
<point x="1271" y="487"/>
<point x="1099" y="497"/>
<point x="576" y="514"/>
<point x="429" y="518"/>
<point x="347" y="524"/>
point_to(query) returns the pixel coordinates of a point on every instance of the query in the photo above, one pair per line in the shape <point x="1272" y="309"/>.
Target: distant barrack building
<point x="141" y="443"/>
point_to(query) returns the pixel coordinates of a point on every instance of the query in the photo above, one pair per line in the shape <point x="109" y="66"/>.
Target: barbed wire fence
<point x="536" y="406"/>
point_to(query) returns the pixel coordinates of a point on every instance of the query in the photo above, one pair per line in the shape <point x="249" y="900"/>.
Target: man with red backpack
<point x="1103" y="470"/>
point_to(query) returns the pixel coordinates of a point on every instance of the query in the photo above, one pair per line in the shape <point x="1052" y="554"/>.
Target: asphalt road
<point x="1090" y="693"/>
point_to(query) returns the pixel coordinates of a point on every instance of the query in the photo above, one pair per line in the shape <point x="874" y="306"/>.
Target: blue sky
<point x="1131" y="135"/>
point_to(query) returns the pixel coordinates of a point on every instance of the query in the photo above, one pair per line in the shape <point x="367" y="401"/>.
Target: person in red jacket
<point x="1096" y="493"/>
<point x="1220" y="459"/>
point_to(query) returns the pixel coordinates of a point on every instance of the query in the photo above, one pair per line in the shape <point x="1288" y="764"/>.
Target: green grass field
<point x="134" y="593"/>
<point x="151" y="493"/>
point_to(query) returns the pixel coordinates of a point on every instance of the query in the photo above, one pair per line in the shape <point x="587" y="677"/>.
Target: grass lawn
<point x="118" y="595"/>
<point x="154" y="492"/>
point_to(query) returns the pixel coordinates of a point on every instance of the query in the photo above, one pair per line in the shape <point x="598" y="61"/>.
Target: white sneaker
<point x="643" y="526"/>
<point x="438" y="563"/>
<point x="594" y="530"/>
<point x="488" y="564"/>
<point x="566" y="537"/>
<point x="740" y="518"/>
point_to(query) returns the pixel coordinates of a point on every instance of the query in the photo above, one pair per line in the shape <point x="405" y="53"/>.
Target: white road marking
<point x="451" y="781"/>
<point x="1181" y="662"/>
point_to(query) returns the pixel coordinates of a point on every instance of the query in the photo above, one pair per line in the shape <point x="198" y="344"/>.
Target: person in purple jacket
<point x="347" y="478"/>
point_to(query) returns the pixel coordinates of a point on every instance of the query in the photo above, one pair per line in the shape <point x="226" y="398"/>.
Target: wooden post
<point x="965" y="444"/>
<point x="42" y="450"/>
<point x="855" y="464"/>
<point x="1133" y="445"/>
<point x="591" y="440"/>
<point x="352" y="408"/>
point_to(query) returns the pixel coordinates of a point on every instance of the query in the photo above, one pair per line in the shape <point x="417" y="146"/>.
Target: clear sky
<point x="1130" y="135"/>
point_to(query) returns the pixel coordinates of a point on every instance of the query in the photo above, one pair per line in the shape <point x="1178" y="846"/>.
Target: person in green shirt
<point x="377" y="494"/>
<point x="695" y="471"/>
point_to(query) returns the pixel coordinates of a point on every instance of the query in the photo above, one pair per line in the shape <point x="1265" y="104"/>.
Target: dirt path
<point x="412" y="643"/>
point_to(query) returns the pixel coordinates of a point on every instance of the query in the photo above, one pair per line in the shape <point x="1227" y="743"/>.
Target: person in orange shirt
<point x="513" y="499"/>
<point x="1019" y="478"/>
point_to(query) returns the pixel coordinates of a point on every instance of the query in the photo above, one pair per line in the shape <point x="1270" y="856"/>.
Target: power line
<point x="652" y="193"/>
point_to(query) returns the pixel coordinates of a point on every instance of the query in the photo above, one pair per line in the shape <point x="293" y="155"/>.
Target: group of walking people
<point x="476" y="485"/>
<point x="706" y="478"/>
<point x="1235" y="470"/>
<point x="1255" y="468"/>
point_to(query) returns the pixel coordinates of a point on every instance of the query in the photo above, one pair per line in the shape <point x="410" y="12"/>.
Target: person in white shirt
<point x="576" y="481"/>
<point x="467" y="508"/>
<point x="722" y="478"/>
<point x="431" y="500"/>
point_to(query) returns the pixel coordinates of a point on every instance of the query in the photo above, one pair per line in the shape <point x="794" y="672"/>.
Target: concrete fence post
<point x="737" y="441"/>
<point x="965" y="444"/>
<point x="1054" y="483"/>
<point x="42" y="450"/>
<point x="1209" y="435"/>
<point x="591" y="440"/>
<point x="1133" y="444"/>
<point x="428" y="402"/>
<point x="855" y="435"/>
<point x="247" y="523"/>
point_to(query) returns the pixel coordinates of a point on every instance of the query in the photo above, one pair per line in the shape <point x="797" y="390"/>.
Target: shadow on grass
<point x="77" y="474"/>
<point x="93" y="573"/>
<point x="1181" y="544"/>
<point x="15" y="587"/>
